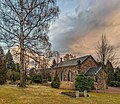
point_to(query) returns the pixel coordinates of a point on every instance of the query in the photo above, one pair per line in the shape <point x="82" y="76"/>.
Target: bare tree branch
<point x="105" y="51"/>
<point x="25" y="23"/>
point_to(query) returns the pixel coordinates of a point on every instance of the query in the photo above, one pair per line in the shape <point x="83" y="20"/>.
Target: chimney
<point x="61" y="59"/>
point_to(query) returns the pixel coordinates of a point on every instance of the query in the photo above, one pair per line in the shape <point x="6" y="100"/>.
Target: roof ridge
<point x="72" y="61"/>
<point x="75" y="58"/>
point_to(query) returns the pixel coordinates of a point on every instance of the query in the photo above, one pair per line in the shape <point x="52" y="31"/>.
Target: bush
<point x="115" y="84"/>
<point x="83" y="82"/>
<point x="56" y="82"/>
<point x="13" y="75"/>
<point x="49" y="78"/>
<point x="44" y="81"/>
<point x="36" y="78"/>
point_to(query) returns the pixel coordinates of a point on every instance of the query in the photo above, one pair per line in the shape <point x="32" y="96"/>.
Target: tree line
<point x="9" y="70"/>
<point x="106" y="57"/>
<point x="25" y="24"/>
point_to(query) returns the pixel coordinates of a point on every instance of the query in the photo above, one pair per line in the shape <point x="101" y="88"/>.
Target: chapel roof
<point x="72" y="62"/>
<point x="93" y="71"/>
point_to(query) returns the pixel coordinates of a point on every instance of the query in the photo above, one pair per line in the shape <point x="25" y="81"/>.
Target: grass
<point x="38" y="94"/>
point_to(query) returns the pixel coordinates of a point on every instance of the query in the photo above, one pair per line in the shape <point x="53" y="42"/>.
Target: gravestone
<point x="85" y="93"/>
<point x="77" y="94"/>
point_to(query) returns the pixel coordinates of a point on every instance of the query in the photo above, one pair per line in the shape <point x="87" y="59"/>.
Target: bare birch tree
<point x="105" y="51"/>
<point x="25" y="23"/>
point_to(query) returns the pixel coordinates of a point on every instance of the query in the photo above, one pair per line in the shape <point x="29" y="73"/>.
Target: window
<point x="69" y="76"/>
<point x="62" y="76"/>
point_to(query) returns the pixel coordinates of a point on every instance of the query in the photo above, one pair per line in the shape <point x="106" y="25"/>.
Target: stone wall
<point x="67" y="85"/>
<point x="100" y="80"/>
<point x="89" y="63"/>
<point x="66" y="70"/>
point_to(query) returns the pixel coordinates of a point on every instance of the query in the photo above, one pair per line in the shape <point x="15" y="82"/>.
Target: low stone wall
<point x="67" y="85"/>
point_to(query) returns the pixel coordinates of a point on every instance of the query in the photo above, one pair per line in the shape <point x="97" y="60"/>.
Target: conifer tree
<point x="10" y="61"/>
<point x="54" y="63"/>
<point x="3" y="71"/>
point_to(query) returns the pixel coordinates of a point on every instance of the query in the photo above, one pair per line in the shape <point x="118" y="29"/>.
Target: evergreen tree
<point x="109" y="67"/>
<point x="3" y="71"/>
<point x="56" y="81"/>
<point x="83" y="82"/>
<point x="10" y="61"/>
<point x="18" y="67"/>
<point x="117" y="74"/>
<point x="110" y="71"/>
<point x="54" y="63"/>
<point x="13" y="72"/>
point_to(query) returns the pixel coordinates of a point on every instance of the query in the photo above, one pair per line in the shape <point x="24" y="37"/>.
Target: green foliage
<point x="36" y="78"/>
<point x="109" y="67"/>
<point x="110" y="72"/>
<point x="44" y="80"/>
<point x="13" y="75"/>
<point x="3" y="71"/>
<point x="10" y="61"/>
<point x="13" y="71"/>
<point x="17" y="67"/>
<point x="83" y="82"/>
<point x="49" y="78"/>
<point x="117" y="74"/>
<point x="56" y="82"/>
<point x="115" y="84"/>
<point x="32" y="72"/>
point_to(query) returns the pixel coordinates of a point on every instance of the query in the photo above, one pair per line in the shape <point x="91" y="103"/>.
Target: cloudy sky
<point x="81" y="23"/>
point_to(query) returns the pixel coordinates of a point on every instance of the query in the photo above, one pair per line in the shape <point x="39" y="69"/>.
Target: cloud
<point x="78" y="28"/>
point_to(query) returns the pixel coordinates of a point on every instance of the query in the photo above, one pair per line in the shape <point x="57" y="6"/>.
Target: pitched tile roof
<point x="93" y="71"/>
<point x="72" y="62"/>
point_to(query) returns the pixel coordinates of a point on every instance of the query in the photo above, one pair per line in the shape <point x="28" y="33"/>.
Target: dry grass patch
<point x="37" y="94"/>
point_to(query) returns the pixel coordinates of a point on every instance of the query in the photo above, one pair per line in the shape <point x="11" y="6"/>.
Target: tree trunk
<point x="22" y="67"/>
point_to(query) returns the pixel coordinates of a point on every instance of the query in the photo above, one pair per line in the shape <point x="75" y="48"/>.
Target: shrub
<point x="13" y="75"/>
<point x="49" y="78"/>
<point x="115" y="84"/>
<point x="44" y="81"/>
<point x="36" y="78"/>
<point x="56" y="82"/>
<point x="83" y="82"/>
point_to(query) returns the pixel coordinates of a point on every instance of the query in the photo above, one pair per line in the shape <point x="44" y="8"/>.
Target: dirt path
<point x="111" y="90"/>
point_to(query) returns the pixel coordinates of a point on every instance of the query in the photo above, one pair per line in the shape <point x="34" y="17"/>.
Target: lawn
<point x="38" y="94"/>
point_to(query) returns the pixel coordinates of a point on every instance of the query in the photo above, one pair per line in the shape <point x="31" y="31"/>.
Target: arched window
<point x="62" y="76"/>
<point x="69" y="76"/>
